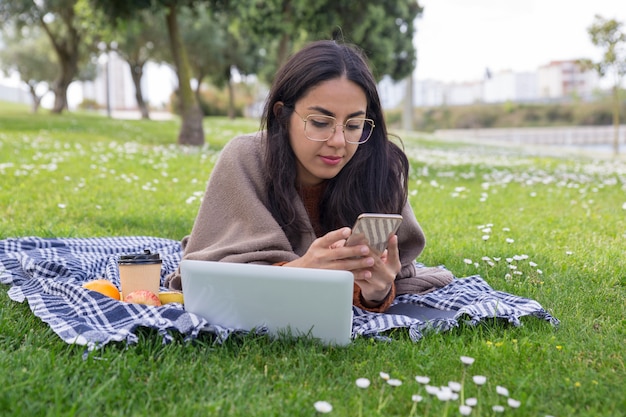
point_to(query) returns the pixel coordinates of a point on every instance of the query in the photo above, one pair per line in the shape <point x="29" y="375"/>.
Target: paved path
<point x="579" y="135"/>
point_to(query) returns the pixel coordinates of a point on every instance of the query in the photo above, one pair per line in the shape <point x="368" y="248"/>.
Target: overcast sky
<point x="457" y="39"/>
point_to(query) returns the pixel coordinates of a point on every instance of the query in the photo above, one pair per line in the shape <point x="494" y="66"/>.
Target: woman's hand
<point x="330" y="252"/>
<point x="376" y="281"/>
<point x="373" y="273"/>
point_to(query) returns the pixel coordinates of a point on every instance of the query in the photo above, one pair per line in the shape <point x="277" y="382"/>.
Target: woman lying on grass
<point x="289" y="194"/>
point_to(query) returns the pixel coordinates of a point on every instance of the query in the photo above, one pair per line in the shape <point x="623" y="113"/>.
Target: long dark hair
<point x="375" y="179"/>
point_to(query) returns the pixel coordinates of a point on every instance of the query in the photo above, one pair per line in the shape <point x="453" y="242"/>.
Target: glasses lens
<point x="358" y="130"/>
<point x="319" y="127"/>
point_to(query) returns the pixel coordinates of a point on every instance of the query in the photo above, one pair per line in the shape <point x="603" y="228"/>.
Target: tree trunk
<point x="60" y="94"/>
<point x="283" y="49"/>
<point x="231" y="95"/>
<point x="616" y="105"/>
<point x="68" y="60"/>
<point x="66" y="49"/>
<point x="199" y="77"/>
<point x="36" y="99"/>
<point x="136" y="72"/>
<point x="231" y="99"/>
<point x="191" y="131"/>
<point x="407" y="113"/>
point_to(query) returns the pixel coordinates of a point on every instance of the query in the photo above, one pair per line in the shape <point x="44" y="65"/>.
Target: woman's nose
<point x="338" y="137"/>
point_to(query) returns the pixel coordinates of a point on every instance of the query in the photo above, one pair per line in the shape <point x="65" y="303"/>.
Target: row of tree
<point x="201" y="39"/>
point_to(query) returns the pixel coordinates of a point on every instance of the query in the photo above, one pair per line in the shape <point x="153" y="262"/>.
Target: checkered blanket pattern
<point x="49" y="273"/>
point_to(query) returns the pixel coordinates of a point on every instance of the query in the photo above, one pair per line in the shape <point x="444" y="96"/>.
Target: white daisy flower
<point x="479" y="379"/>
<point x="362" y="382"/>
<point x="455" y="386"/>
<point x="323" y="407"/>
<point x="467" y="360"/>
<point x="465" y="410"/>
<point x="394" y="382"/>
<point x="513" y="403"/>
<point x="444" y="394"/>
<point x="422" y="379"/>
<point x="472" y="401"/>
<point x="432" y="390"/>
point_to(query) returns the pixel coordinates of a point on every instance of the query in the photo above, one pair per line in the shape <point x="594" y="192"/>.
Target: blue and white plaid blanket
<point x="49" y="273"/>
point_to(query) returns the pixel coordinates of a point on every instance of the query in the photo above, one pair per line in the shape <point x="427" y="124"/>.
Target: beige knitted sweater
<point x="234" y="224"/>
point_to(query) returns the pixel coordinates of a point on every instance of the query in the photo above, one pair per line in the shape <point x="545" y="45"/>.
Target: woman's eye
<point x="354" y="125"/>
<point x="320" y="123"/>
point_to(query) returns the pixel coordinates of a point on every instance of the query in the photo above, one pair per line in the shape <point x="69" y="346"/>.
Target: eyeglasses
<point x="320" y="128"/>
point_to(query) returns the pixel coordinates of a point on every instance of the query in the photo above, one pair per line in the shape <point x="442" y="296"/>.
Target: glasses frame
<point x="334" y="129"/>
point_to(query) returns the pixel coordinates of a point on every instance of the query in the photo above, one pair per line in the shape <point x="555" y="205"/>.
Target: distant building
<point x="428" y="93"/>
<point x="13" y="90"/>
<point x="157" y="84"/>
<point x="14" y="94"/>
<point x="557" y="80"/>
<point x="510" y="86"/>
<point x="469" y="92"/>
<point x="560" y="79"/>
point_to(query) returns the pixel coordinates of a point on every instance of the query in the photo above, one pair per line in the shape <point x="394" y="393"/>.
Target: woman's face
<point x="319" y="161"/>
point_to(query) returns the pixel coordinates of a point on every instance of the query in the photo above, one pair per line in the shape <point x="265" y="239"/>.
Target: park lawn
<point x="547" y="227"/>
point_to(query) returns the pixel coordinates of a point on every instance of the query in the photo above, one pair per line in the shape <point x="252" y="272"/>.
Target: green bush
<point x="214" y="101"/>
<point x="510" y="114"/>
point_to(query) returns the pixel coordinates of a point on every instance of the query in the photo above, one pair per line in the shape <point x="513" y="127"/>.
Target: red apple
<point x="143" y="297"/>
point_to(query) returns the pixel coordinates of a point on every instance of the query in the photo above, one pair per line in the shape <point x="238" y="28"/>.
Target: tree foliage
<point x="215" y="51"/>
<point x="67" y="29"/>
<point x="138" y="40"/>
<point x="384" y="29"/>
<point x="191" y="132"/>
<point x="253" y="36"/>
<point x="608" y="34"/>
<point x="28" y="53"/>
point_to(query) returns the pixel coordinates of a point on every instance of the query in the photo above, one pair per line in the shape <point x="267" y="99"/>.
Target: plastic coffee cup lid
<point x="140" y="258"/>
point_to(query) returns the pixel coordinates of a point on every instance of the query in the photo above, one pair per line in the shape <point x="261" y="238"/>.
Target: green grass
<point x="79" y="175"/>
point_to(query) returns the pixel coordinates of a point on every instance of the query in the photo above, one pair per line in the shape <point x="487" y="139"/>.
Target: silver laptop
<point x="297" y="301"/>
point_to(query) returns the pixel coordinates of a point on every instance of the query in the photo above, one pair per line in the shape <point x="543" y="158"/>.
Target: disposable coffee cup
<point x="140" y="271"/>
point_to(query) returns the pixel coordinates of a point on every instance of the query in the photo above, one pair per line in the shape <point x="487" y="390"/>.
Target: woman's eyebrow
<point x="329" y="113"/>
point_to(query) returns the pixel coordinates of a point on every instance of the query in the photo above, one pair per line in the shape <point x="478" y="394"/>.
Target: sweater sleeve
<point x="411" y="243"/>
<point x="357" y="300"/>
<point x="233" y="223"/>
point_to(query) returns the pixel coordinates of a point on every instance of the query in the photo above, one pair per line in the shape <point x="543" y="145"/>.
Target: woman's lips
<point x="331" y="160"/>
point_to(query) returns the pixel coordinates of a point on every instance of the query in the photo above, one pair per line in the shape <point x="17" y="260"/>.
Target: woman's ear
<point x="278" y="106"/>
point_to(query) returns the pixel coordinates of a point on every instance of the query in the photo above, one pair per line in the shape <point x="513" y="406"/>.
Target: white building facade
<point x="566" y="79"/>
<point x="558" y="80"/>
<point x="157" y="84"/>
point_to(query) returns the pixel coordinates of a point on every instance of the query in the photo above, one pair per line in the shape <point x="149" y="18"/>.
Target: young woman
<point x="288" y="195"/>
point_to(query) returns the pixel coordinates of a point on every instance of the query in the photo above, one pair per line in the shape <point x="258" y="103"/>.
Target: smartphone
<point x="377" y="228"/>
